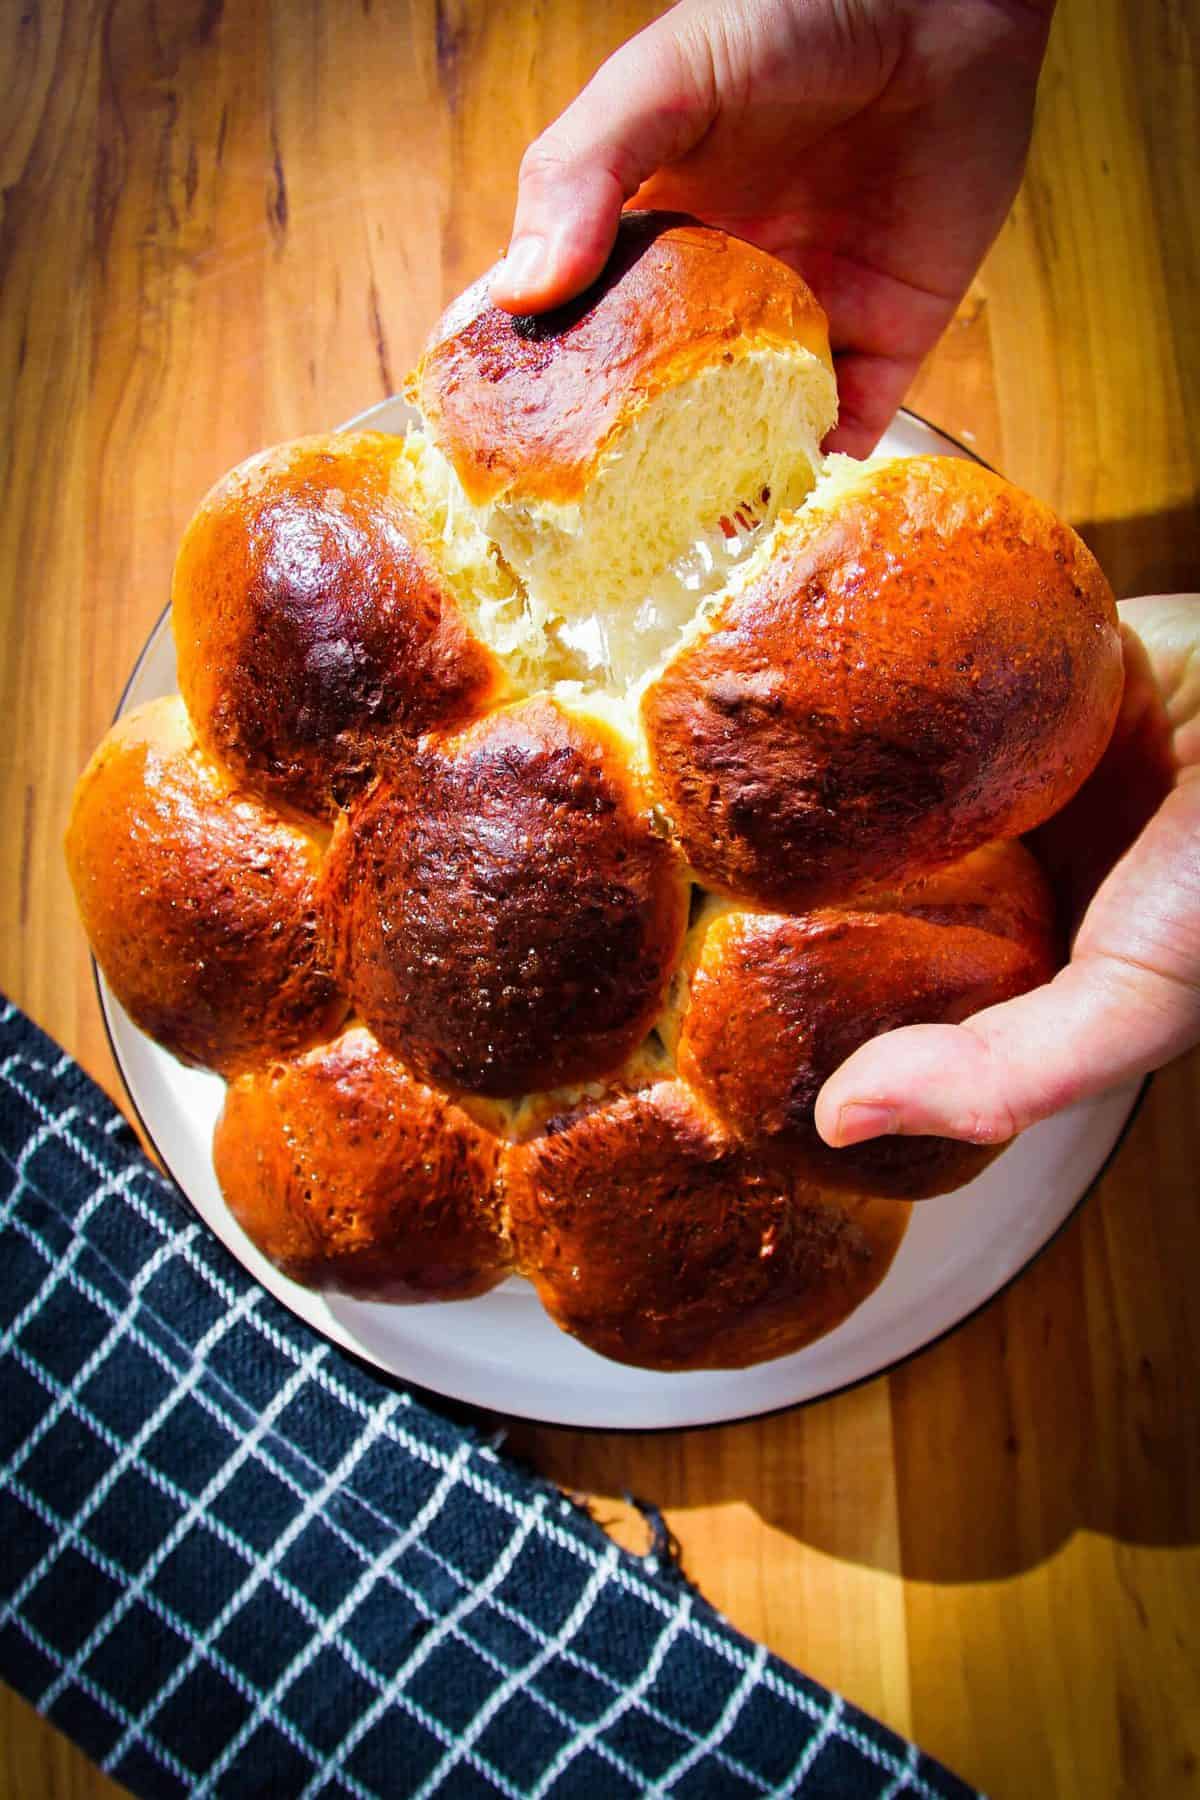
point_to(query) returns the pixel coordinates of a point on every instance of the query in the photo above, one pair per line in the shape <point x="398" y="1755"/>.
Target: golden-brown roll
<point x="776" y="1002"/>
<point x="928" y="659"/>
<point x="528" y="407"/>
<point x="313" y="627"/>
<point x="511" y="912"/>
<point x="200" y="904"/>
<point x="652" y="1237"/>
<point x="349" y="1174"/>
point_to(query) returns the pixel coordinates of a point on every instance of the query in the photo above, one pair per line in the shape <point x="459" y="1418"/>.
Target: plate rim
<point x="363" y="1354"/>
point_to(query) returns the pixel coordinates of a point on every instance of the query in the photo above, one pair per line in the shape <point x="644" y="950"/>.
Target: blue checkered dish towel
<point x="234" y="1562"/>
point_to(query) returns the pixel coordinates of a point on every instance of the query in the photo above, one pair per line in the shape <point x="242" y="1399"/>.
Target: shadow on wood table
<point x="1148" y="553"/>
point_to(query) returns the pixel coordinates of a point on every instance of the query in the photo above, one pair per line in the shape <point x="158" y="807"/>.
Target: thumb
<point x="989" y="1078"/>
<point x="647" y="105"/>
<point x="1126" y="1004"/>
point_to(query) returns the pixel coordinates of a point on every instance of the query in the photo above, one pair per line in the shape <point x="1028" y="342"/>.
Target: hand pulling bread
<point x="572" y="786"/>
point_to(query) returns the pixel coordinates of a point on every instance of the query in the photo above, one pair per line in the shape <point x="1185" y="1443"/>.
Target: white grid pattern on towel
<point x="751" y="1664"/>
<point x="331" y="1627"/>
<point x="621" y="1704"/>
<point x="260" y="1569"/>
<point x="301" y="1603"/>
<point x="707" y="1745"/>
<point x="476" y="1596"/>
<point x="290" y="1593"/>
<point x="904" y="1776"/>
<point x="519" y="1679"/>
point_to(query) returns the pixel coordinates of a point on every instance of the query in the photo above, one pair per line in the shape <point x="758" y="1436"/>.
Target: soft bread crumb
<point x="600" y="592"/>
<point x="491" y="598"/>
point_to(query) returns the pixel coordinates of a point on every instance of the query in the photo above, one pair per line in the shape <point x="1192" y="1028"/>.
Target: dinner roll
<point x="313" y="625"/>
<point x="511" y="909"/>
<point x="771" y="1004"/>
<point x="200" y="903"/>
<point x="922" y="659"/>
<point x="609" y="447"/>
<point x="652" y="1237"/>
<point x="348" y="1173"/>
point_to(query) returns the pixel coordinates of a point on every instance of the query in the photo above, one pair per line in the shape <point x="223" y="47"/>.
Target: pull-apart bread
<point x="556" y="795"/>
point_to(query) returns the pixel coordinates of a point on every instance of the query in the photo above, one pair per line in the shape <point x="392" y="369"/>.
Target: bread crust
<point x="1000" y="888"/>
<point x="775" y="1003"/>
<point x="313" y="630"/>
<point x="525" y="408"/>
<point x="932" y="663"/>
<point x="348" y="1173"/>
<point x="511" y="912"/>
<point x="201" y="905"/>
<point x="649" y="1234"/>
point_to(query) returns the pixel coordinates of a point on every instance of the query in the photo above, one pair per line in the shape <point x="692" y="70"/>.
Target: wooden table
<point x="225" y="226"/>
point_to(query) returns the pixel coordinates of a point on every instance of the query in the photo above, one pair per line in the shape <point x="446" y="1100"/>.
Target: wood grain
<point x="226" y="225"/>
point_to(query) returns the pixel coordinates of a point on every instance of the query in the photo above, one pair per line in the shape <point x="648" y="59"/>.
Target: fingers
<point x="870" y="388"/>
<point x="648" y="104"/>
<point x="1082" y="842"/>
<point x="1093" y="1026"/>
<point x="880" y="327"/>
<point x="1128" y="1002"/>
<point x="1168" y="627"/>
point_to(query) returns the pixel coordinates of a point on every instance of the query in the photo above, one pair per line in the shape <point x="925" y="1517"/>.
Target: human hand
<point x="875" y="145"/>
<point x="1129" y="999"/>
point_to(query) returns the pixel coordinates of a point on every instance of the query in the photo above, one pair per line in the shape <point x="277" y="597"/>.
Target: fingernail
<point x="521" y="267"/>
<point x="856" y="1123"/>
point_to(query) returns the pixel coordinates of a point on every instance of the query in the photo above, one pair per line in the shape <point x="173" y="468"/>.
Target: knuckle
<point x="995" y="1125"/>
<point x="542" y="164"/>
<point x="996" y="1116"/>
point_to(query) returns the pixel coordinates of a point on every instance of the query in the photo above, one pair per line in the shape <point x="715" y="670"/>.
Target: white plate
<point x="501" y="1351"/>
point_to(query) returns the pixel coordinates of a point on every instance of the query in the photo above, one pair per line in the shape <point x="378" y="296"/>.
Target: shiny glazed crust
<point x="312" y="628"/>
<point x="200" y="904"/>
<point x="930" y="662"/>
<point x="652" y="1237"/>
<point x="347" y="1173"/>
<point x="511" y="915"/>
<point x="775" y="1003"/>
<point x="525" y="407"/>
